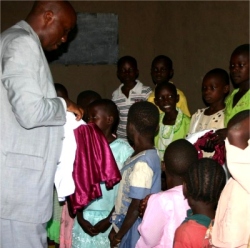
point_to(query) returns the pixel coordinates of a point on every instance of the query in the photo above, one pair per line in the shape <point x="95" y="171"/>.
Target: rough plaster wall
<point x="198" y="36"/>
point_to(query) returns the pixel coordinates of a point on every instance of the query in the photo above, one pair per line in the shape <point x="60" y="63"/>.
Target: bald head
<point x="41" y="6"/>
<point x="178" y="157"/>
<point x="52" y="21"/>
<point x="239" y="129"/>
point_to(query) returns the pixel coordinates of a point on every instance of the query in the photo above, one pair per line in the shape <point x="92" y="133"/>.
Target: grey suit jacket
<point x="31" y="127"/>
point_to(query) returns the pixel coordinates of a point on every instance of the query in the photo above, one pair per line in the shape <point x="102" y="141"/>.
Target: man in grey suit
<point x="32" y="120"/>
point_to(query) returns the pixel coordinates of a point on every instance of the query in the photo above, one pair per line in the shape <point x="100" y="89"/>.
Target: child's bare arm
<point x="104" y="224"/>
<point x="129" y="220"/>
<point x="143" y="205"/>
<point x="70" y="208"/>
<point x="85" y="225"/>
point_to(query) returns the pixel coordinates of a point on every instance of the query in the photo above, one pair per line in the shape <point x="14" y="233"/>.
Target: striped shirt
<point x="137" y="94"/>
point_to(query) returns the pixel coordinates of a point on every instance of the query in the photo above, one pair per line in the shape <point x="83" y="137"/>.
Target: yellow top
<point x="182" y="104"/>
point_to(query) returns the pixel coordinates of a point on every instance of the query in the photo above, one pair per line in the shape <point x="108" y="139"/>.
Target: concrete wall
<point x="197" y="35"/>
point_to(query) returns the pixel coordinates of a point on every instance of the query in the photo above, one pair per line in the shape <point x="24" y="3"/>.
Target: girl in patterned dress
<point x="173" y="124"/>
<point x="215" y="87"/>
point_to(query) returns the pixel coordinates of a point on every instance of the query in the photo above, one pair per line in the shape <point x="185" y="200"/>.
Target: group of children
<point x="168" y="193"/>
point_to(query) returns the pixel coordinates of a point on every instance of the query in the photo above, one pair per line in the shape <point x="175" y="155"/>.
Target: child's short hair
<point x="242" y="49"/>
<point x="160" y="86"/>
<point x="179" y="155"/>
<point x="87" y="94"/>
<point x="110" y="108"/>
<point x="165" y="58"/>
<point x="145" y="117"/>
<point x="205" y="180"/>
<point x="129" y="59"/>
<point x="219" y="73"/>
<point x="60" y="87"/>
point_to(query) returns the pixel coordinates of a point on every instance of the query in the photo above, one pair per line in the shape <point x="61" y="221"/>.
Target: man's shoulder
<point x="15" y="31"/>
<point x="17" y="35"/>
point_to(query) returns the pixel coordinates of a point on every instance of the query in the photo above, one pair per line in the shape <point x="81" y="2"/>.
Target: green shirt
<point x="168" y="134"/>
<point x="242" y="104"/>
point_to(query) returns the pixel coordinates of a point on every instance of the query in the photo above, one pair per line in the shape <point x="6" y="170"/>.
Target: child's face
<point x="214" y="89"/>
<point x="239" y="67"/>
<point x="166" y="100"/>
<point x="160" y="72"/>
<point x="84" y="104"/>
<point x="98" y="116"/>
<point x="127" y="72"/>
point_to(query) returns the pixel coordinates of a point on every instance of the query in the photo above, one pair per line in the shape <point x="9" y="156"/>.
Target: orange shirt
<point x="190" y="235"/>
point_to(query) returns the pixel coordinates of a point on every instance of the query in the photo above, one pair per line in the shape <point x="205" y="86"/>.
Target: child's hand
<point x="143" y="205"/>
<point x="209" y="146"/>
<point x="217" y="138"/>
<point x="102" y="226"/>
<point x="113" y="241"/>
<point x="220" y="136"/>
<point x="87" y="227"/>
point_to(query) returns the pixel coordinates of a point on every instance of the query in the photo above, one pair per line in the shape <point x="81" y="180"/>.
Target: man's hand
<point x="74" y="108"/>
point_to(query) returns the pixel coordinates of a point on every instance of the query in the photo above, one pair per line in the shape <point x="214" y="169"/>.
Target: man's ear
<point x="48" y="17"/>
